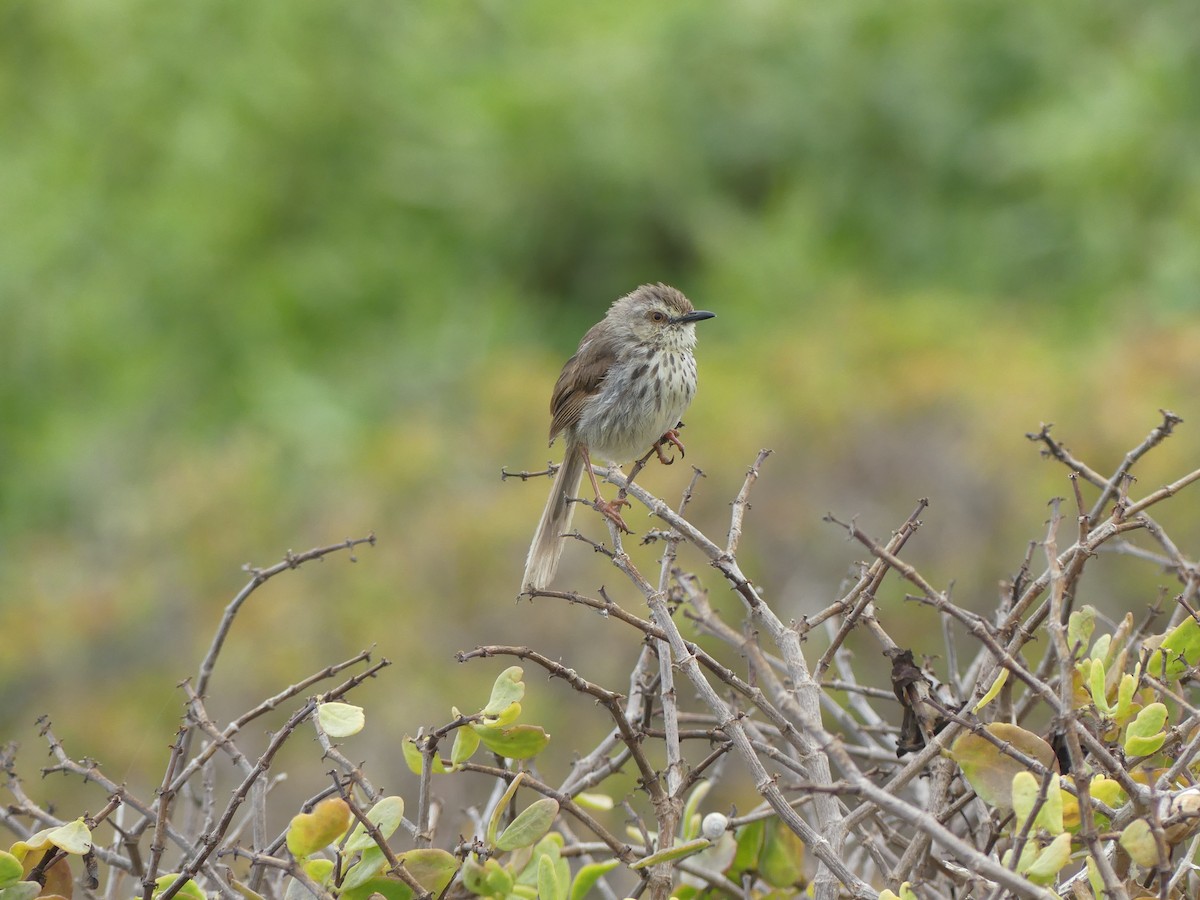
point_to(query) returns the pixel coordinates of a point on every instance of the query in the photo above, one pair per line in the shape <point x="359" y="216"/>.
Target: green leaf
<point x="1138" y="841"/>
<point x="309" y="832"/>
<point x="1045" y="868"/>
<point x="993" y="692"/>
<point x="466" y="742"/>
<point x="1124" y="707"/>
<point x="1080" y="626"/>
<point x="11" y="870"/>
<point x="384" y="885"/>
<point x="991" y="772"/>
<point x="1096" y="686"/>
<point x="498" y="880"/>
<point x="474" y="877"/>
<point x="533" y="822"/>
<point x="547" y="879"/>
<point x="782" y="860"/>
<point x="189" y="891"/>
<point x="71" y="837"/>
<point x="515" y="741"/>
<point x="1101" y="647"/>
<point x="749" y="847"/>
<point x="245" y="891"/>
<point x="493" y="826"/>
<point x="599" y="802"/>
<point x="1025" y="790"/>
<point x="1051" y="815"/>
<point x="386" y="815"/>
<point x="691" y="809"/>
<point x="319" y="870"/>
<point x="507" y="689"/>
<point x="340" y="719"/>
<point x="432" y="867"/>
<point x="586" y="877"/>
<point x="21" y="890"/>
<point x="370" y="864"/>
<point x="1180" y="648"/>
<point x="1144" y="735"/>
<point x="679" y="851"/>
<point x="414" y="758"/>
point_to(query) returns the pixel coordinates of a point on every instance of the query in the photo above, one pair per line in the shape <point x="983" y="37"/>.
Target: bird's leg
<point x="611" y="509"/>
<point x="670" y="437"/>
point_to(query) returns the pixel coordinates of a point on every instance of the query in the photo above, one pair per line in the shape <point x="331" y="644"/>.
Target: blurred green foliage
<point x="274" y="274"/>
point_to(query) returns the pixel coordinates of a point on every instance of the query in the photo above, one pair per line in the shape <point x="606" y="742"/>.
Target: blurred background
<point x="274" y="275"/>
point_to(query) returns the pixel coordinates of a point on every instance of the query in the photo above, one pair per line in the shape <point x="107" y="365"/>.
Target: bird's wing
<point x="580" y="379"/>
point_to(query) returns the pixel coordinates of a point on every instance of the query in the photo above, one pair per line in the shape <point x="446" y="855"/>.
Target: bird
<point x="621" y="395"/>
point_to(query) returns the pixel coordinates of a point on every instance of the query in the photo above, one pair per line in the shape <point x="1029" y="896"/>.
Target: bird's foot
<point x="671" y="437"/>
<point x="612" y="511"/>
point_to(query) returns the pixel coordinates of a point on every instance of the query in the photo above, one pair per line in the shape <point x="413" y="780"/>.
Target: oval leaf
<point x="1138" y="842"/>
<point x="340" y="719"/>
<point x="1045" y="868"/>
<point x="432" y="867"/>
<point x="386" y="815"/>
<point x="991" y="772"/>
<point x="547" y="879"/>
<point x="528" y="827"/>
<point x="309" y="832"/>
<point x="514" y="742"/>
<point x="466" y="742"/>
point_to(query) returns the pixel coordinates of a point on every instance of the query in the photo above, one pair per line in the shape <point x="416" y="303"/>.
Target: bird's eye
<point x="658" y="316"/>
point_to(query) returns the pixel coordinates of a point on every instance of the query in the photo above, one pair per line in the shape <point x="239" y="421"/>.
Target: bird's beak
<point x="696" y="316"/>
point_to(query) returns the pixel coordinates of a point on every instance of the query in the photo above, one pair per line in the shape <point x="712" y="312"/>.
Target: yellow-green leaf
<point x="991" y="772"/>
<point x="529" y="826"/>
<point x="341" y="719"/>
<point x="309" y="832"/>
<point x="189" y="891"/>
<point x="432" y="867"/>
<point x="599" y="802"/>
<point x="386" y="815"/>
<point x="679" y="851"/>
<point x="1045" y="868"/>
<point x="507" y="689"/>
<point x="71" y="837"/>
<point x="11" y="870"/>
<point x="1144" y="735"/>
<point x="414" y="758"/>
<point x="993" y="692"/>
<point x="515" y="741"/>
<point x="1024" y="795"/>
<point x="385" y="886"/>
<point x="466" y="742"/>
<point x="21" y="890"/>
<point x="587" y="877"/>
<point x="319" y="870"/>
<point x="1138" y="841"/>
<point x="547" y="879"/>
<point x="782" y="861"/>
<point x="1080" y="626"/>
<point x="370" y="864"/>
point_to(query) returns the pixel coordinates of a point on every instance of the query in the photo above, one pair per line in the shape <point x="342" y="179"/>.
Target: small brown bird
<point x="621" y="394"/>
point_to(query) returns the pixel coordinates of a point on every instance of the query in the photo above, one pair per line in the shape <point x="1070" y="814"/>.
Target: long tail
<point x="547" y="544"/>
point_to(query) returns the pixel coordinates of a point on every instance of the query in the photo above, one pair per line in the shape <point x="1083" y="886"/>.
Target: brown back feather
<point x="581" y="378"/>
